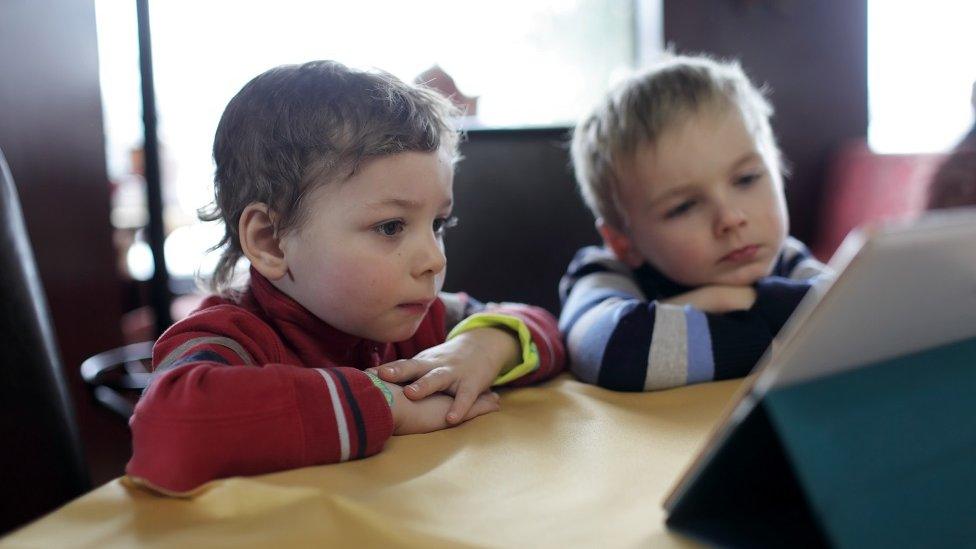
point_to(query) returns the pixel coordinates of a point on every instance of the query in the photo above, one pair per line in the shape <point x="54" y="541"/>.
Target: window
<point x="529" y="62"/>
<point x="921" y="69"/>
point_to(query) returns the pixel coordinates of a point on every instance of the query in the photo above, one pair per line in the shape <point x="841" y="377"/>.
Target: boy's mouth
<point x="744" y="254"/>
<point x="415" y="307"/>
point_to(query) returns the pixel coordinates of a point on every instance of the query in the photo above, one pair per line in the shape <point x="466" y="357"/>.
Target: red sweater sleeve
<point x="223" y="404"/>
<point x="545" y="334"/>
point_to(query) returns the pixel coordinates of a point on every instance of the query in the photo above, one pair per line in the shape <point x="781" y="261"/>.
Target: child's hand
<point x="428" y="414"/>
<point x="464" y="366"/>
<point x="717" y="299"/>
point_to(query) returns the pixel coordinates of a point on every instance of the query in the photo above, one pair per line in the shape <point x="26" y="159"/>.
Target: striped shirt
<point x="620" y="336"/>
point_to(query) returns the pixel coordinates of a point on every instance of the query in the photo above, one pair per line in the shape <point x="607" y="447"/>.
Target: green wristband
<point x="381" y="385"/>
<point x="530" y="353"/>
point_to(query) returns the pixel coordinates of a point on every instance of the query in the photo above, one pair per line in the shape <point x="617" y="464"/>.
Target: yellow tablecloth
<point x="563" y="464"/>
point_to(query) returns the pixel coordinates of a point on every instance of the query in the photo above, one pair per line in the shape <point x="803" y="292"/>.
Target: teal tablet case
<point x="878" y="456"/>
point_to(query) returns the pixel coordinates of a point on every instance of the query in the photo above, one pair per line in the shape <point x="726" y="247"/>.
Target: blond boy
<point x="697" y="274"/>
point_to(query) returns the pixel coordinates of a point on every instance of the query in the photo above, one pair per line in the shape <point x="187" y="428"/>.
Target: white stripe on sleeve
<point x="340" y="415"/>
<point x="667" y="361"/>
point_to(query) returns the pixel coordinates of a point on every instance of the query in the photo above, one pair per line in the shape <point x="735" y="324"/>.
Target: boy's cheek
<point x="779" y="224"/>
<point x="691" y="252"/>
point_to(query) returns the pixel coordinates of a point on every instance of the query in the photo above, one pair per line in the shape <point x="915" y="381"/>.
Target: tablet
<point x="898" y="289"/>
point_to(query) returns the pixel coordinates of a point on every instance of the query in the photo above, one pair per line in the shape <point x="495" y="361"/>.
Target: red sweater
<point x="260" y="384"/>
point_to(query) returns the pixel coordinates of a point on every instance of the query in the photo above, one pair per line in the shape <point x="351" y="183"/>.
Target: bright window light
<point x="529" y="62"/>
<point x="921" y="69"/>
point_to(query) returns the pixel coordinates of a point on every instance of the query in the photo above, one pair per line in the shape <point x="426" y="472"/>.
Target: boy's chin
<point x="746" y="276"/>
<point x="395" y="334"/>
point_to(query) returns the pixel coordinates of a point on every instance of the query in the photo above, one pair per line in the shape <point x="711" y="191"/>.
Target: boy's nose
<point x="728" y="219"/>
<point x="431" y="258"/>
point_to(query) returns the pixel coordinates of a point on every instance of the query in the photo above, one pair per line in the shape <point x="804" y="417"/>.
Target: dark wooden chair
<point x="42" y="465"/>
<point x="117" y="377"/>
<point x="522" y="219"/>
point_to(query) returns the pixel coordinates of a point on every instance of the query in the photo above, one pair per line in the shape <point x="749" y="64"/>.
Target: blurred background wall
<point x="521" y="218"/>
<point x="51" y="133"/>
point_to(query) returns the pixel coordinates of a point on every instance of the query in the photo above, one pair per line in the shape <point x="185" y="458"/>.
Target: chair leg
<point x="114" y="401"/>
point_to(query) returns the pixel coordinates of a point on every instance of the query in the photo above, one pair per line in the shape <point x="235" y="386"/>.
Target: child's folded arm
<point x="777" y="298"/>
<point x="618" y="339"/>
<point x="211" y="415"/>
<point x="635" y="345"/>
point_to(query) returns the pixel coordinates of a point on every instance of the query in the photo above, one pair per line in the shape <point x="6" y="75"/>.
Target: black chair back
<point x="521" y="218"/>
<point x="42" y="465"/>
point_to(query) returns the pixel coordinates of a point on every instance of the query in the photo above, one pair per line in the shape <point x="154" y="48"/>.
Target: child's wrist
<point x="526" y="359"/>
<point x="381" y="385"/>
<point x="497" y="342"/>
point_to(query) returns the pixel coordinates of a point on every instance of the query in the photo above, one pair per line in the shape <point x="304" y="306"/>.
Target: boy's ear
<point x="259" y="242"/>
<point x="621" y="244"/>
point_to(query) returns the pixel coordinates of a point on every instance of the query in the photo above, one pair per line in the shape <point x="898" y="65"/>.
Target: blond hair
<point x="639" y="110"/>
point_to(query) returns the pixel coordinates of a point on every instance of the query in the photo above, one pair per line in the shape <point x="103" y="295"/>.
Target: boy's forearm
<point x="199" y="422"/>
<point x="777" y="298"/>
<point x="636" y="345"/>
<point x="716" y="299"/>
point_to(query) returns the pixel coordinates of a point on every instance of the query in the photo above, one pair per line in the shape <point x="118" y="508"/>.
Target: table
<point x="563" y="464"/>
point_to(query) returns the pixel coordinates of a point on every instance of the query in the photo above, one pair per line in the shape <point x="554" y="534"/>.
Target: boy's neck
<point x="655" y="285"/>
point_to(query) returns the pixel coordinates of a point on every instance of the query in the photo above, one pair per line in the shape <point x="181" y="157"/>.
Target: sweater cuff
<point x="381" y="385"/>
<point x="530" y="353"/>
<point x="345" y="416"/>
<point x="777" y="298"/>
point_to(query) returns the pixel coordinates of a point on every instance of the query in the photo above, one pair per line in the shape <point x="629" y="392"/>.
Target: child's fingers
<point x="434" y="381"/>
<point x="485" y="403"/>
<point x="400" y="371"/>
<point x="463" y="401"/>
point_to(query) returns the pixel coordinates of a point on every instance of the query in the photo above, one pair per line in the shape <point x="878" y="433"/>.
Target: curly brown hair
<point x="296" y="127"/>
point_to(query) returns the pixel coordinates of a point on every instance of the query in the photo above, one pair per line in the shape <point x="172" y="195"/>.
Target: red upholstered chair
<point x="865" y="187"/>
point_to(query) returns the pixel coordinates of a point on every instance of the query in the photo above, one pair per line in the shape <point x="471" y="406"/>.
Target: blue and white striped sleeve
<point x="619" y="340"/>
<point x="797" y="263"/>
<point x="795" y="272"/>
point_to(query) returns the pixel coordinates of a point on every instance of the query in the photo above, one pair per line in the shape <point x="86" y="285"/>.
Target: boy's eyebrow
<point x="404" y="203"/>
<point x="745" y="159"/>
<point x="673" y="191"/>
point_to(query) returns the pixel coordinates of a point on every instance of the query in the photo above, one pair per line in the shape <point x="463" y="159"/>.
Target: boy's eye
<point x="390" y="228"/>
<point x="442" y="223"/>
<point x="680" y="209"/>
<point x="747" y="180"/>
